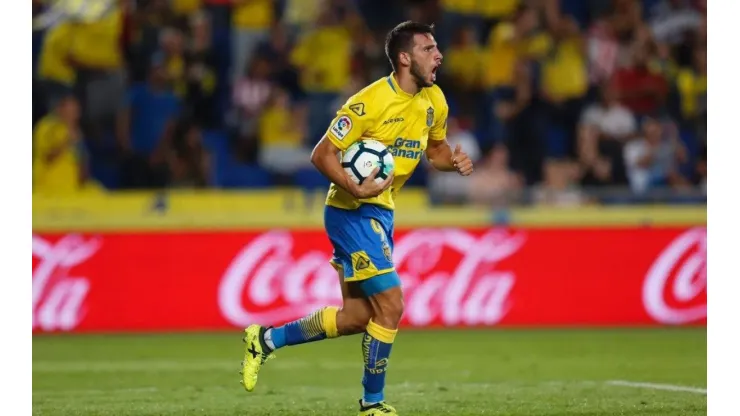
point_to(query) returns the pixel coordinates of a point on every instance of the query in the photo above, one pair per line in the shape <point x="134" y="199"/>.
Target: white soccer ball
<point x="361" y="158"/>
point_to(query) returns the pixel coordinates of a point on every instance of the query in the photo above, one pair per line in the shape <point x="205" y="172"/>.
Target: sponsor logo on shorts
<point x="362" y="263"/>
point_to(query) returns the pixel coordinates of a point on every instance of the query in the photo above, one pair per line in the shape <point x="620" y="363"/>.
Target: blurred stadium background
<point x="172" y="192"/>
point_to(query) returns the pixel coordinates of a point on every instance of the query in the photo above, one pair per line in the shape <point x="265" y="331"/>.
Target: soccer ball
<point x="361" y="158"/>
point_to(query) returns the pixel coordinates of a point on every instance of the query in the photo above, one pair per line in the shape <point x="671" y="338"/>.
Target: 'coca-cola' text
<point x="451" y="278"/>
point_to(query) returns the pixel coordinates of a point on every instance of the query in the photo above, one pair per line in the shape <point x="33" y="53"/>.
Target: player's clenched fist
<point x="461" y="161"/>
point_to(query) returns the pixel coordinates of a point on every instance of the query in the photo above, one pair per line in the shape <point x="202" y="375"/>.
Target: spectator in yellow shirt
<point x="97" y="53"/>
<point x="56" y="71"/>
<point x="57" y="165"/>
<point x="251" y="22"/>
<point x="172" y="49"/>
<point x="462" y="70"/>
<point x="464" y="60"/>
<point x="511" y="42"/>
<point x="564" y="75"/>
<point x="564" y="82"/>
<point x="691" y="85"/>
<point x="323" y="58"/>
<point x="281" y="132"/>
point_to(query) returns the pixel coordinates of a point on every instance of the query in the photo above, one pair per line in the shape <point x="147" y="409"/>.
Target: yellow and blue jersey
<point x="403" y="122"/>
<point x="361" y="231"/>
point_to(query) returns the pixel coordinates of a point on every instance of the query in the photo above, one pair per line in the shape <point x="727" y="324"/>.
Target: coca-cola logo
<point x="452" y="274"/>
<point x="58" y="297"/>
<point x="447" y="274"/>
<point x="275" y="285"/>
<point x="675" y="285"/>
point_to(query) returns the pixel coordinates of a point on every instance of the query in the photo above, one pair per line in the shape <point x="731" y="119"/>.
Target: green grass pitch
<point x="481" y="372"/>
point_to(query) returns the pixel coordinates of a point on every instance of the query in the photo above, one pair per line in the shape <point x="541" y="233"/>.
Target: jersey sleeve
<point x="438" y="131"/>
<point x="353" y="119"/>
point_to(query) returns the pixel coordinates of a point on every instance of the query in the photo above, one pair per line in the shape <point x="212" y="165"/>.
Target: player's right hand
<point x="370" y="188"/>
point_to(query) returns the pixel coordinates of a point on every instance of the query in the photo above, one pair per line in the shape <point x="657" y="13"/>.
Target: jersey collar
<point x="395" y="87"/>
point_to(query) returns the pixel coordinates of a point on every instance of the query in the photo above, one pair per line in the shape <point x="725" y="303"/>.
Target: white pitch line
<point x="656" y="386"/>
<point x="203" y="365"/>
<point x="95" y="391"/>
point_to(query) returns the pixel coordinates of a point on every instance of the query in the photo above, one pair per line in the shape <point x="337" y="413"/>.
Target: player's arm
<point x="443" y="158"/>
<point x="325" y="157"/>
<point x="349" y="125"/>
<point x="439" y="153"/>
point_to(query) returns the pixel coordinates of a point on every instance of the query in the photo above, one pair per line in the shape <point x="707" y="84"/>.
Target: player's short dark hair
<point x="401" y="39"/>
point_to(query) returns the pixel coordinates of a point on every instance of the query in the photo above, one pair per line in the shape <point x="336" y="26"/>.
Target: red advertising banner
<point x="451" y="277"/>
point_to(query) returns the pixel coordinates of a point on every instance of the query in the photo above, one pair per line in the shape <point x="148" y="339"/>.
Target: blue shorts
<point x="362" y="240"/>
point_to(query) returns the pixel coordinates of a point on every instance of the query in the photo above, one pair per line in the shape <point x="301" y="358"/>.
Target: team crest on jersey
<point x="387" y="252"/>
<point x="430" y="116"/>
<point x="342" y="127"/>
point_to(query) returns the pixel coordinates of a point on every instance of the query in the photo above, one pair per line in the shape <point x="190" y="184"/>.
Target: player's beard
<point x="418" y="75"/>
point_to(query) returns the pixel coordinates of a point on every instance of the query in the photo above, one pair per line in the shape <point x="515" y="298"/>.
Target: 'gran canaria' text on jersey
<point x="403" y="122"/>
<point x="406" y="148"/>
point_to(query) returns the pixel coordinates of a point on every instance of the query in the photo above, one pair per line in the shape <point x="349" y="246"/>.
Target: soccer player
<point x="407" y="112"/>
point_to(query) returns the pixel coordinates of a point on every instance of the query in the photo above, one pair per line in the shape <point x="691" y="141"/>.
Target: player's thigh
<point x="362" y="252"/>
<point x="350" y="290"/>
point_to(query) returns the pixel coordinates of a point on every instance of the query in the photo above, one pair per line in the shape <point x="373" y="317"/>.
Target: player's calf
<point x="319" y="325"/>
<point x="328" y="322"/>
<point x="386" y="300"/>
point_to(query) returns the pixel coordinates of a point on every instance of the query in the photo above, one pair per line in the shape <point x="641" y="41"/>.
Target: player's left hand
<point x="461" y="161"/>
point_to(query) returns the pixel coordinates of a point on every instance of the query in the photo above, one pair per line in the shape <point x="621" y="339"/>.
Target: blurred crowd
<point x="559" y="102"/>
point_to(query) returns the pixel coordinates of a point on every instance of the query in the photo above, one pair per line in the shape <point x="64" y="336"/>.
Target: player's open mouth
<point x="434" y="73"/>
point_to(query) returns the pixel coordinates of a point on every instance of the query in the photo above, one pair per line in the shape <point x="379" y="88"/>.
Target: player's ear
<point x="404" y="58"/>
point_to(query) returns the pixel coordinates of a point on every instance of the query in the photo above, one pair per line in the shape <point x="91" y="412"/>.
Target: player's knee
<point x="395" y="311"/>
<point x="389" y="310"/>
<point x="352" y="321"/>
